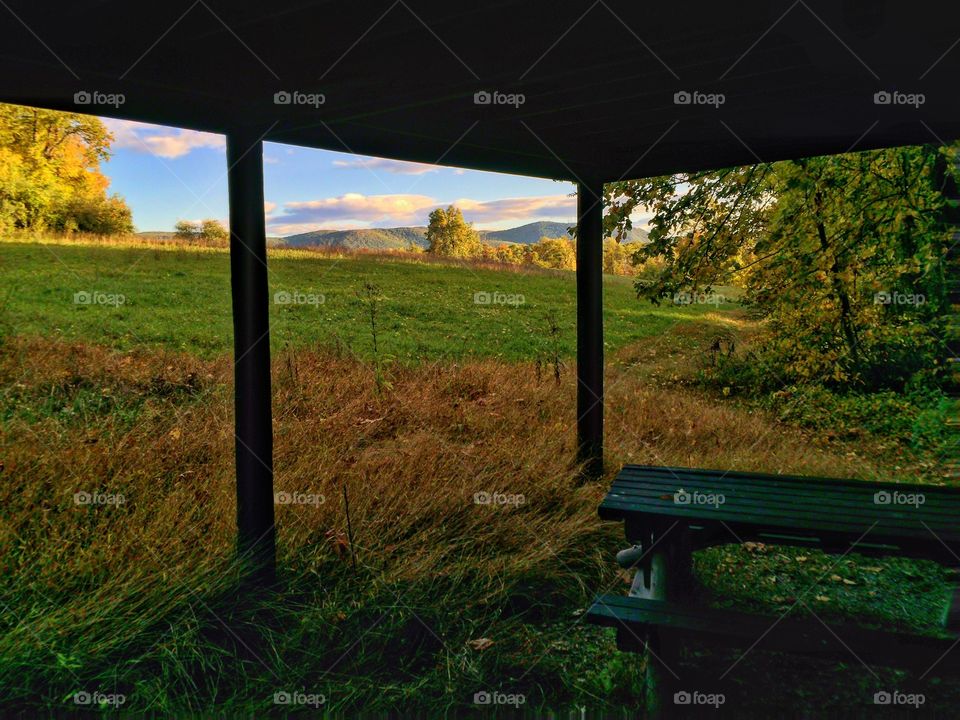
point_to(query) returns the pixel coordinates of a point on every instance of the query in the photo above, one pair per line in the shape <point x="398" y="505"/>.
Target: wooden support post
<point x="590" y="327"/>
<point x="256" y="537"/>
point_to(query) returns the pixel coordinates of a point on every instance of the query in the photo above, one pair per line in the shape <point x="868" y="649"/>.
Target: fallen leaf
<point x="480" y="644"/>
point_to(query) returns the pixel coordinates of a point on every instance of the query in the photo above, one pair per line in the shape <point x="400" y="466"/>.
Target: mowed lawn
<point x="180" y="299"/>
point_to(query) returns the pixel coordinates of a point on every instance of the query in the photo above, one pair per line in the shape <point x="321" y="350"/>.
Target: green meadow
<point x="179" y="299"/>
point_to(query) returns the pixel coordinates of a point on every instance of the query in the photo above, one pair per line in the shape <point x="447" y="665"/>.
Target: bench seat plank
<point x="833" y="513"/>
<point x="804" y="636"/>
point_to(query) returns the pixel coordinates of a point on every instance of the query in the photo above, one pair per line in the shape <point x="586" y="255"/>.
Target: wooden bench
<point x="670" y="512"/>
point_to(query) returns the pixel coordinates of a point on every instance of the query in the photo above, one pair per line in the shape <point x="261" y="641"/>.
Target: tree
<point x="617" y="258"/>
<point x="449" y="235"/>
<point x="817" y="244"/>
<point x="50" y="176"/>
<point x="512" y="254"/>
<point x="556" y="253"/>
<point x="213" y="232"/>
<point x="187" y="230"/>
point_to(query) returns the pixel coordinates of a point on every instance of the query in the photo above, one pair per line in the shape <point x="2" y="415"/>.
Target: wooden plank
<point x="874" y="542"/>
<point x="767" y="477"/>
<point x="620" y="507"/>
<point x="806" y="636"/>
<point x="935" y="495"/>
<point x="865" y="509"/>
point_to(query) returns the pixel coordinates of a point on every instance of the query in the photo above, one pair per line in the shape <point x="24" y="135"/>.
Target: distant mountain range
<point x="400" y="238"/>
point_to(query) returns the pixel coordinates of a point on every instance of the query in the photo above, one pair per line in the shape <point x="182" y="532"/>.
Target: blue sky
<point x="168" y="174"/>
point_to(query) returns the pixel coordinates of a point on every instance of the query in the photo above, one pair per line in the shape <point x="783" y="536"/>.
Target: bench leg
<point x="666" y="573"/>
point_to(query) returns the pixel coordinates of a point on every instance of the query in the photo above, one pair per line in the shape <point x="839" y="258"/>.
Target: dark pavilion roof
<point x="599" y="79"/>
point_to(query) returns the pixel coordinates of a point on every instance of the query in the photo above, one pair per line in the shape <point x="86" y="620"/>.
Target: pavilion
<point x="588" y="92"/>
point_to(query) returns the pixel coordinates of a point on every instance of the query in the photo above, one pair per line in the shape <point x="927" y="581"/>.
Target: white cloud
<point x="402" y="208"/>
<point x="165" y="142"/>
<point x="524" y="208"/>
<point x="394" y="167"/>
<point x="269" y="207"/>
<point x="355" y="210"/>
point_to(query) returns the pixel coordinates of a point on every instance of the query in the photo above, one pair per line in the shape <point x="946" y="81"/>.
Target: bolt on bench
<point x="669" y="512"/>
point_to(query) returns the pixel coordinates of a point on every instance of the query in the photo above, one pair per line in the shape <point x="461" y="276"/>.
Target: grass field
<point x="180" y="299"/>
<point x="448" y="597"/>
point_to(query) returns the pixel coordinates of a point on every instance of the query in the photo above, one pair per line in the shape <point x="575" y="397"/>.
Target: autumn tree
<point x="213" y="232"/>
<point x="186" y="230"/>
<point x="50" y="176"/>
<point x="819" y="245"/>
<point x="208" y="231"/>
<point x="556" y="253"/>
<point x="449" y="235"/>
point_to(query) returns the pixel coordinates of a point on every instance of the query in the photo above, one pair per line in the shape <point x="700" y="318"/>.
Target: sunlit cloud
<point x="524" y="208"/>
<point x="401" y="208"/>
<point x="158" y="140"/>
<point x="394" y="167"/>
<point x="355" y="210"/>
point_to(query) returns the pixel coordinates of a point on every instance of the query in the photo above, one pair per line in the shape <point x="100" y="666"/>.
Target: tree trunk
<point x="846" y="308"/>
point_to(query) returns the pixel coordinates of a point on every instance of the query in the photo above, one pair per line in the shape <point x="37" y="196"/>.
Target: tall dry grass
<point x="135" y="594"/>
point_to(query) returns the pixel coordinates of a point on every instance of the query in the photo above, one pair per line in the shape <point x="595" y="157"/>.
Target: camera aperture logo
<point x="895" y="97"/>
<point x="698" y="298"/>
<point x="99" y="699"/>
<point x="695" y="497"/>
<point x="885" y="497"/>
<point x="498" y="298"/>
<point x="498" y="498"/>
<point x="299" y="498"/>
<point x="98" y="498"/>
<point x="495" y="97"/>
<point x="295" y="97"/>
<point x="686" y="697"/>
<point x="885" y="697"/>
<point x="95" y="297"/>
<point x="695" y="97"/>
<point x="495" y="697"/>
<point x="95" y="97"/>
<point x="295" y="297"/>
<point x="284" y="697"/>
<point x="898" y="298"/>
